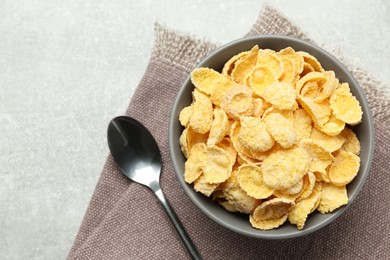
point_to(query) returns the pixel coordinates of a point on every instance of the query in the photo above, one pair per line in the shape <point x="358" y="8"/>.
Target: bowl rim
<point x="263" y="234"/>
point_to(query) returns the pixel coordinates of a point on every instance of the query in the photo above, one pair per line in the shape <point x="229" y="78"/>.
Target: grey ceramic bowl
<point x="240" y="222"/>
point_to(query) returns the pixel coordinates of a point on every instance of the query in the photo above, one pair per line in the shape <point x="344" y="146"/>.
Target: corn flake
<point x="296" y="188"/>
<point x="344" y="168"/>
<point x="203" y="186"/>
<point x="237" y="198"/>
<point x="250" y="179"/>
<point x="185" y="115"/>
<point x="333" y="127"/>
<point x="242" y="151"/>
<point x="296" y="59"/>
<point x="346" y="107"/>
<point x="320" y="157"/>
<point x="259" y="106"/>
<point x="307" y="68"/>
<point x="216" y="165"/>
<point x="193" y="165"/>
<point x="283" y="168"/>
<point x="289" y="71"/>
<point x="183" y="143"/>
<point x="272" y="209"/>
<point x="219" y="127"/>
<point x="238" y="102"/>
<point x="202" y="115"/>
<point x="269" y="59"/>
<point x="193" y="138"/>
<point x="254" y="135"/>
<point x="323" y="176"/>
<point x="319" y="112"/>
<point x="310" y="59"/>
<point x="351" y="144"/>
<point x="253" y="157"/>
<point x="310" y="89"/>
<point x="227" y="145"/>
<point x="327" y="87"/>
<point x="212" y="83"/>
<point x="299" y="213"/>
<point x="244" y="65"/>
<point x="267" y="224"/>
<point x="332" y="197"/>
<point x="280" y="94"/>
<point x="280" y="124"/>
<point x="302" y="125"/>
<point x="231" y="63"/>
<point x="309" y="180"/>
<point x="330" y="143"/>
<point x="312" y="77"/>
<point x="259" y="78"/>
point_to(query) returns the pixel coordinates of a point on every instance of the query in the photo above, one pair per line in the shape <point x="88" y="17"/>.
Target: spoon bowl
<point x="135" y="151"/>
<point x="137" y="154"/>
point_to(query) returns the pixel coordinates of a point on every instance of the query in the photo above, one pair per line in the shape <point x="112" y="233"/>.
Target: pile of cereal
<point x="268" y="137"/>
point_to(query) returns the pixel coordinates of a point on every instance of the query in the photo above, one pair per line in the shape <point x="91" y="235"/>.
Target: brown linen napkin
<point x="125" y="221"/>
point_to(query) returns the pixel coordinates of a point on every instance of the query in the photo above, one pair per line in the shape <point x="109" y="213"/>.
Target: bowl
<point x="240" y="222"/>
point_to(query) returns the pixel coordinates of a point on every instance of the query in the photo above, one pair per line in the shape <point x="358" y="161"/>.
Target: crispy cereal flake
<point x="254" y="135"/>
<point x="244" y="65"/>
<point x="203" y="186"/>
<point x="272" y="209"/>
<point x="237" y="198"/>
<point x="250" y="179"/>
<point x="352" y="143"/>
<point x="219" y="127"/>
<point x="280" y="124"/>
<point x="302" y="125"/>
<point x="303" y="208"/>
<point x="269" y="59"/>
<point x="283" y="168"/>
<point x="231" y="63"/>
<point x="330" y="143"/>
<point x="332" y="198"/>
<point x="280" y="94"/>
<point x="320" y="158"/>
<point x="202" y="115"/>
<point x="344" y="168"/>
<point x="238" y="102"/>
<point x="193" y="166"/>
<point x="346" y="107"/>
<point x="212" y="83"/>
<point x="267" y="224"/>
<point x="216" y="166"/>
<point x="259" y="78"/>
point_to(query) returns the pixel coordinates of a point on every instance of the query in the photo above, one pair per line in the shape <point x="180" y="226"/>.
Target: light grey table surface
<point x="68" y="67"/>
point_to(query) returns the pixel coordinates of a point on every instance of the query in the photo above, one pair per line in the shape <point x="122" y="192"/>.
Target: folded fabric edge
<point x="269" y="18"/>
<point x="177" y="48"/>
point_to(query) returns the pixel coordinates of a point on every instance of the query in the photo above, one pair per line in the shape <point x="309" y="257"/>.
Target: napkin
<point x="125" y="221"/>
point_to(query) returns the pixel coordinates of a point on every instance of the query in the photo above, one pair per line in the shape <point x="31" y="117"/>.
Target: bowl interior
<point x="240" y="222"/>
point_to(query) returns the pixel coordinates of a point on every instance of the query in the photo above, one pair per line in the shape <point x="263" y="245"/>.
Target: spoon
<point x="136" y="153"/>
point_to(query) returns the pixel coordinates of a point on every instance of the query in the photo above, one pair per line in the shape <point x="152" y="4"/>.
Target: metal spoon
<point x="136" y="152"/>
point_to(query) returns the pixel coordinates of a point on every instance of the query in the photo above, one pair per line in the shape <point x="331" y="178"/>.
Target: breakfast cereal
<point x="269" y="137"/>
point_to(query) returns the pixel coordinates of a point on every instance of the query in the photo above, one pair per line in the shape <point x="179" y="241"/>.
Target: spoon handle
<point x="193" y="252"/>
